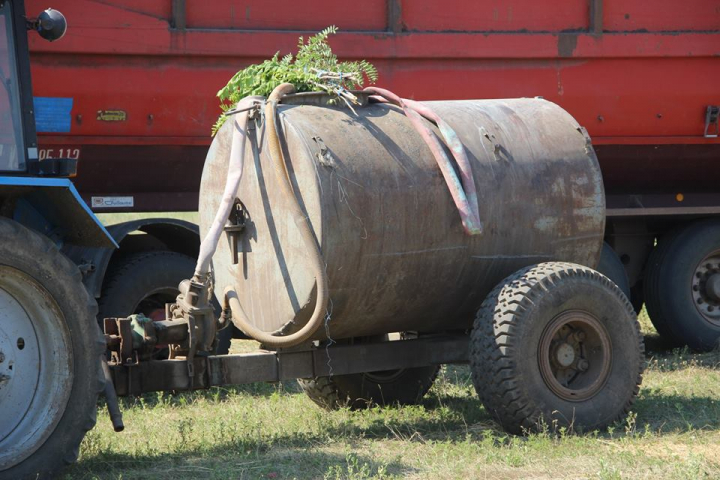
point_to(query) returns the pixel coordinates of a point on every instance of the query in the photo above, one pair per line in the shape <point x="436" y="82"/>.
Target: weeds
<point x="314" y="68"/>
<point x="274" y="431"/>
<point x="355" y="469"/>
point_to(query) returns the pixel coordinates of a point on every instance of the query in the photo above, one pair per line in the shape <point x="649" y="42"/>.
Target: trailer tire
<point x="144" y="282"/>
<point x="612" y="267"/>
<point x="682" y="305"/>
<point x="361" y="390"/>
<point x="44" y="414"/>
<point x="556" y="320"/>
<point x="637" y="296"/>
<point x="650" y="287"/>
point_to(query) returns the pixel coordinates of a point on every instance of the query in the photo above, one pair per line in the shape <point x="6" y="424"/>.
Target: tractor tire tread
<point x="63" y="268"/>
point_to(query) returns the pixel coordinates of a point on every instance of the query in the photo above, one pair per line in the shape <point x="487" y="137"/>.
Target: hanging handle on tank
<point x="462" y="189"/>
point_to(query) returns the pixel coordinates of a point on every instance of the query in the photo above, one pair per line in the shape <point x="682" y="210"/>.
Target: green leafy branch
<point x="314" y="68"/>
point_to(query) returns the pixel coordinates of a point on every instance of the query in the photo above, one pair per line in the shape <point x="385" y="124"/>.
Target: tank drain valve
<point x="234" y="227"/>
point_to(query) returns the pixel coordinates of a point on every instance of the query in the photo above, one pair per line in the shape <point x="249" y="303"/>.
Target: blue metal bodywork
<point x="53" y="207"/>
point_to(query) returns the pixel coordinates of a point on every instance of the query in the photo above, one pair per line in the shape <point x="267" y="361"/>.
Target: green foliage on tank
<point x="314" y="68"/>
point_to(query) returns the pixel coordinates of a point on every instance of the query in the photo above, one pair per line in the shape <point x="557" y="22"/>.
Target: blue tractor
<point x="57" y="264"/>
<point x="50" y="344"/>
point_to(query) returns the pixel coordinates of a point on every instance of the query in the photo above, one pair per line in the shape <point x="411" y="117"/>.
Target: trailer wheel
<point x="50" y="349"/>
<point x="651" y="277"/>
<point x="682" y="288"/>
<point x="406" y="386"/>
<point x="144" y="283"/>
<point x="637" y="296"/>
<point x="556" y="344"/>
<point x="612" y="267"/>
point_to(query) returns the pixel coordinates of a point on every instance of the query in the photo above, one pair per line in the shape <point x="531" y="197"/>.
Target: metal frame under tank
<point x="290" y="364"/>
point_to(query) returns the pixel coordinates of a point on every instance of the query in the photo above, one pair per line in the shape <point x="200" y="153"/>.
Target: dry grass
<point x="274" y="431"/>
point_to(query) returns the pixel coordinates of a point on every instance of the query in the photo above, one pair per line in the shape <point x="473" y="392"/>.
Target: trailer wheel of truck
<point x="144" y="283"/>
<point x="683" y="286"/>
<point x="612" y="267"/>
<point x="50" y="349"/>
<point x="556" y="345"/>
<point x="406" y="386"/>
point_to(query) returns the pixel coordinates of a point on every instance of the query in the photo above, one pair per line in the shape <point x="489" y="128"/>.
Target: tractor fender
<point x="53" y="208"/>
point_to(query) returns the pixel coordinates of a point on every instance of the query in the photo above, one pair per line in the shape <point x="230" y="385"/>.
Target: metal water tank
<point x="397" y="256"/>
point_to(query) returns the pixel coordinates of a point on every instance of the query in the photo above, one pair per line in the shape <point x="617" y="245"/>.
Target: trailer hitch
<point x="190" y="328"/>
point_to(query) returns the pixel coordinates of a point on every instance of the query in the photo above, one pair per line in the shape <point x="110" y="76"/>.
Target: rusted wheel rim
<point x="706" y="288"/>
<point x="575" y="355"/>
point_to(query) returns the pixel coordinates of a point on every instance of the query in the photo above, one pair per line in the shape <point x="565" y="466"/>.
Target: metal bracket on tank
<point x="588" y="142"/>
<point x="323" y="156"/>
<point x="497" y="148"/>
<point x="254" y="107"/>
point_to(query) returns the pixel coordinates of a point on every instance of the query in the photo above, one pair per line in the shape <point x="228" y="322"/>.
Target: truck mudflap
<point x="53" y="207"/>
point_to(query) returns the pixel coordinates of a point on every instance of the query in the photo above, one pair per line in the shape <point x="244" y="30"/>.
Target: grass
<point x="274" y="431"/>
<point x="112" y="218"/>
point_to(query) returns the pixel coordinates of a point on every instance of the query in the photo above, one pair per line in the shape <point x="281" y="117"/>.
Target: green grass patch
<point x="275" y="431"/>
<point x="113" y="218"/>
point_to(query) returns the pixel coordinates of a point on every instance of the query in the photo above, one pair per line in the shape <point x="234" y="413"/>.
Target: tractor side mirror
<point x="50" y="24"/>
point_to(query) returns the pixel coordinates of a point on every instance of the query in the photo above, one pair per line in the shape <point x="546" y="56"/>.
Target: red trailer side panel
<point x="306" y="15"/>
<point x="142" y="75"/>
<point x="493" y="16"/>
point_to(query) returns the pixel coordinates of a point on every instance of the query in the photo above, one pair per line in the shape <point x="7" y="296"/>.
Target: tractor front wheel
<point x="50" y="350"/>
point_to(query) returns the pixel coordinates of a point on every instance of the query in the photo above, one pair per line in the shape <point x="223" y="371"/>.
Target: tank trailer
<point x="343" y="252"/>
<point x="363" y="249"/>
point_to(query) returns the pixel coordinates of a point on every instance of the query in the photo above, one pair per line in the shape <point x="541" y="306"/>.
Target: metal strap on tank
<point x="462" y="189"/>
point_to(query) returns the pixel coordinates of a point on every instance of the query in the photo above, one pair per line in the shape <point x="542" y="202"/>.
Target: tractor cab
<point x="32" y="192"/>
<point x="18" y="141"/>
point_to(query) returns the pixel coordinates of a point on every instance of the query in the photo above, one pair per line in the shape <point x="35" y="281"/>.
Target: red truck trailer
<point x="130" y="94"/>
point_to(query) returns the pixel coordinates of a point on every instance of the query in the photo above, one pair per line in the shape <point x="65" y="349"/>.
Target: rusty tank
<point x="390" y="235"/>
